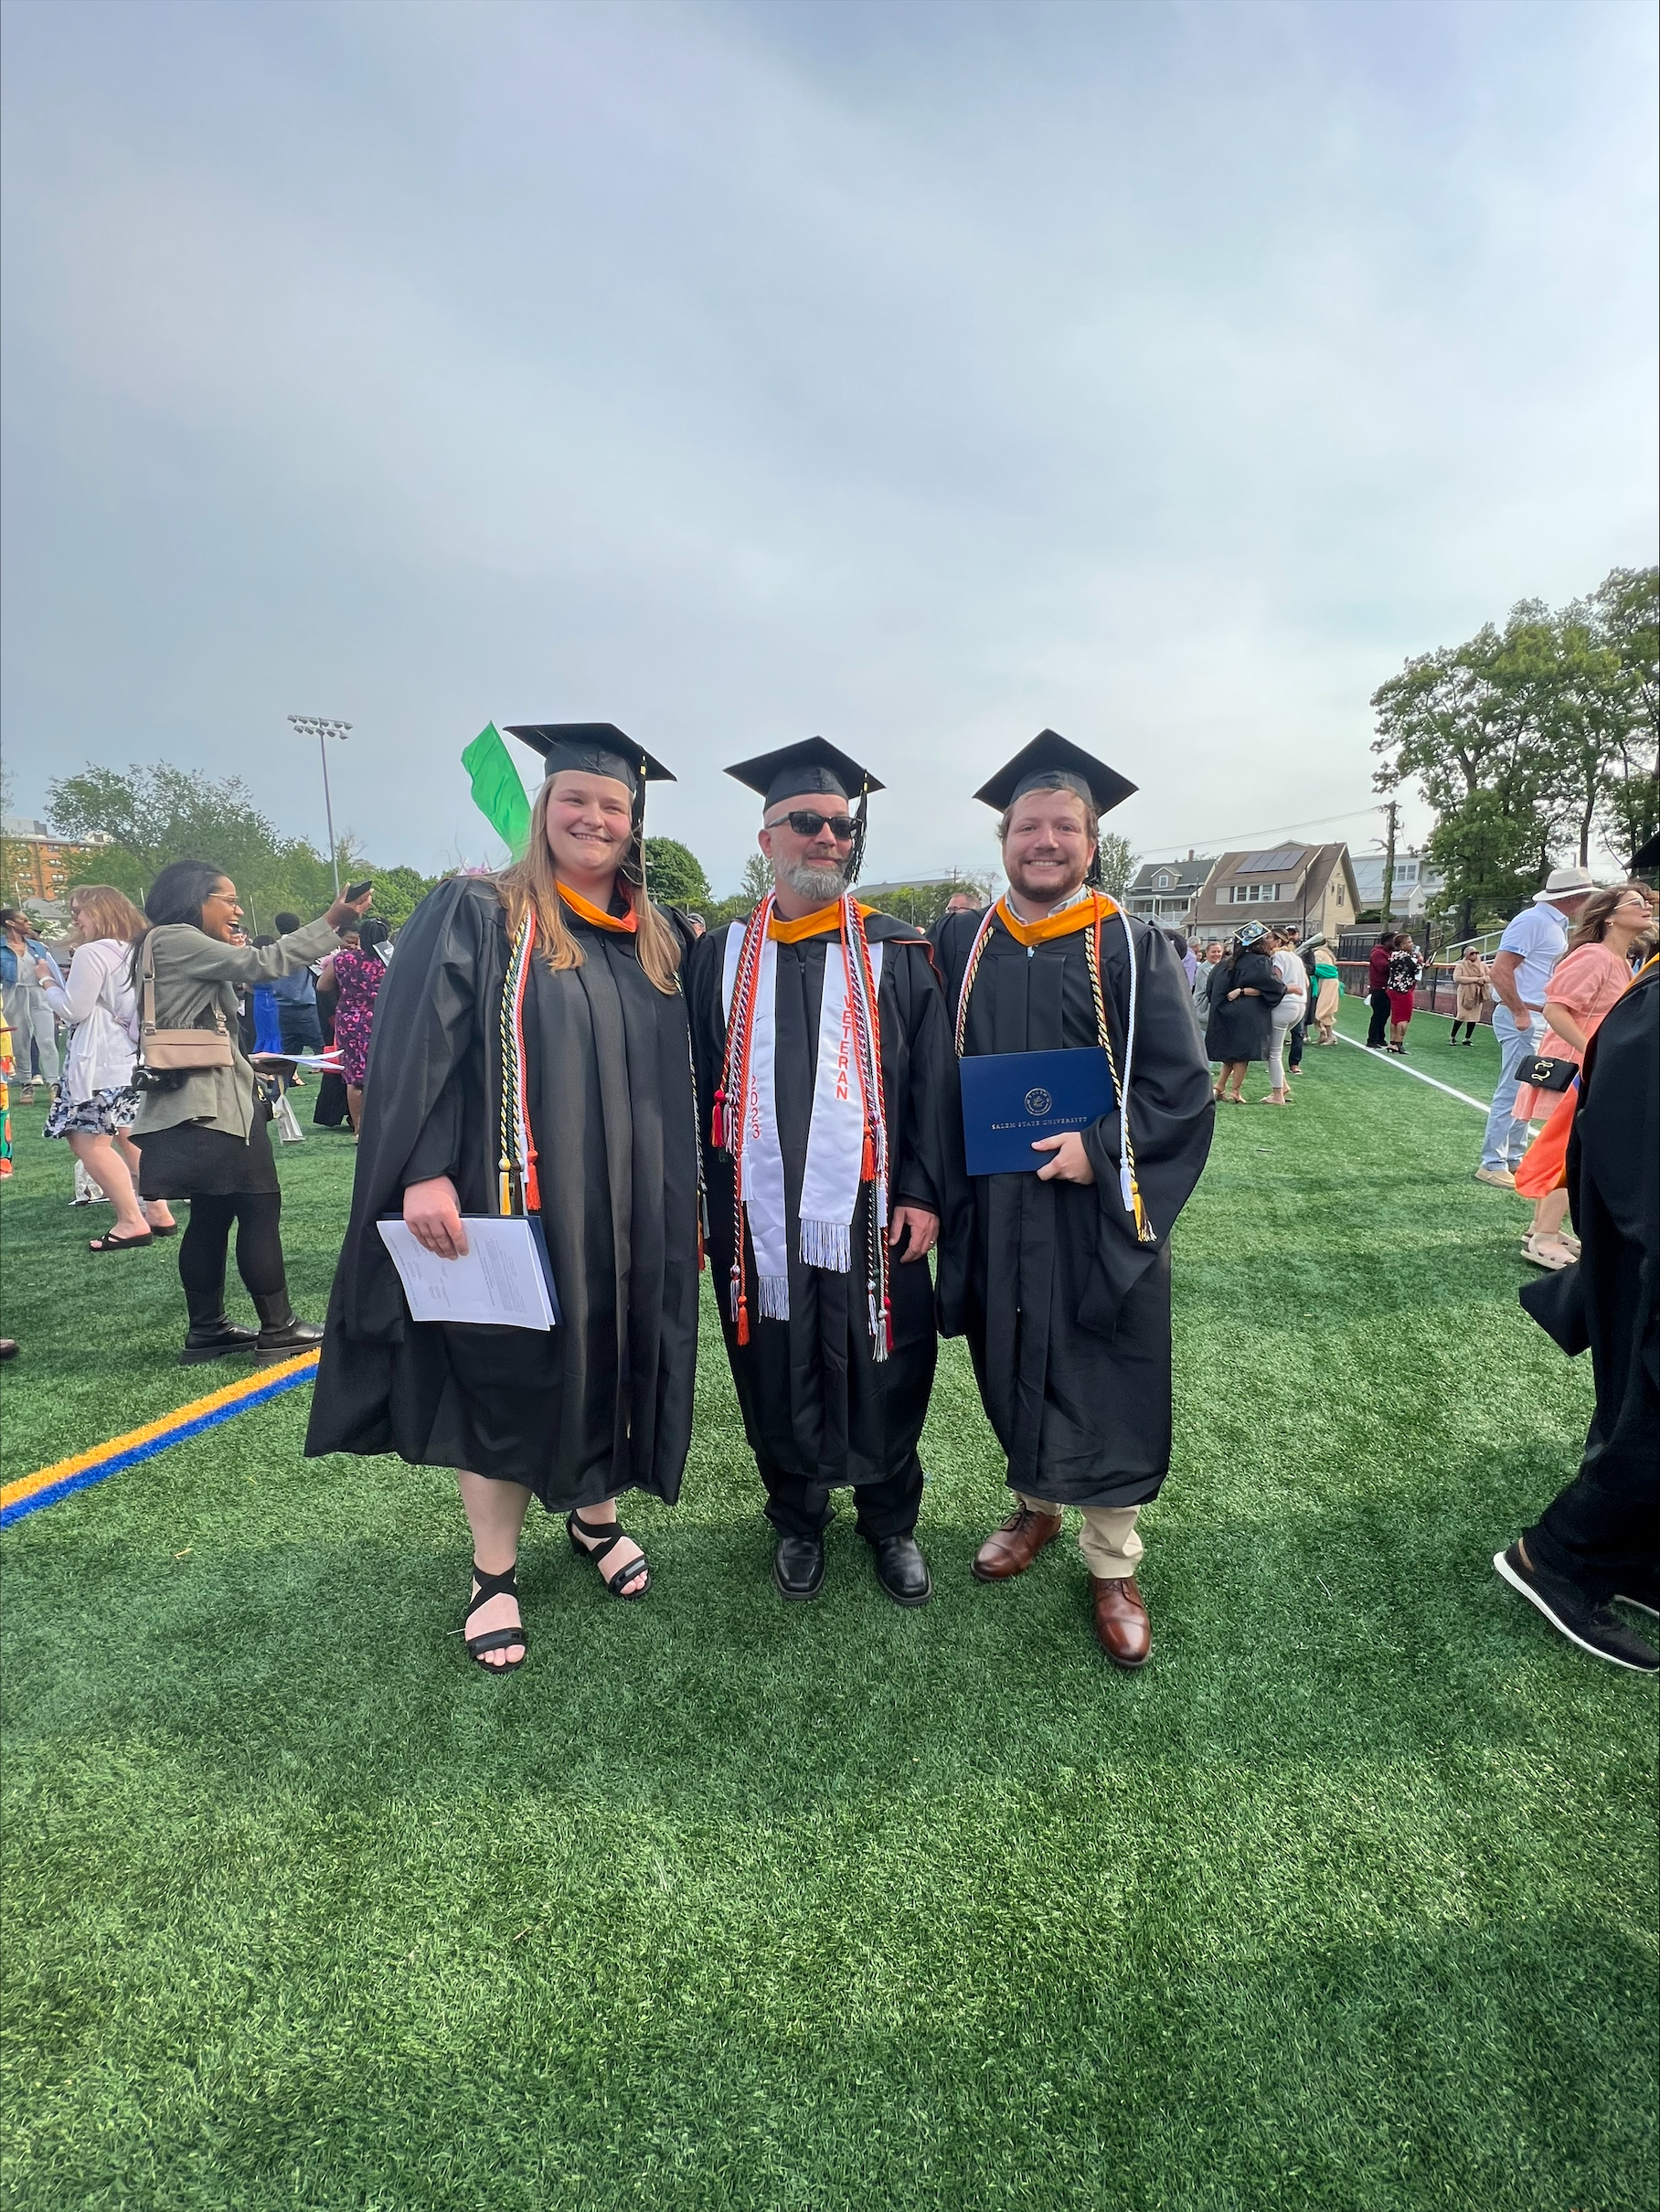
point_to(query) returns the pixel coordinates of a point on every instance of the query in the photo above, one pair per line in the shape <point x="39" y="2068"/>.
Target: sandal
<point x="163" y="1229"/>
<point x="495" y="1639"/>
<point x="616" y="1582"/>
<point x="1539" y="1249"/>
<point x="111" y="1242"/>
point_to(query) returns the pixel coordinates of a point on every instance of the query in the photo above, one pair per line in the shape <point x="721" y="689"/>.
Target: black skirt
<point x="193" y="1160"/>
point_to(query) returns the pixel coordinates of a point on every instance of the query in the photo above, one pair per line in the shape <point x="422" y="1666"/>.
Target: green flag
<point x="497" y="791"/>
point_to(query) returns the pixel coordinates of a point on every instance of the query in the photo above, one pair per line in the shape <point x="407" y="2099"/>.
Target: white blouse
<point x="97" y="999"/>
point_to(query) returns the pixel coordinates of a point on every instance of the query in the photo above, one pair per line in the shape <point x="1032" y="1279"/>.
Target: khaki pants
<point x="1107" y="1539"/>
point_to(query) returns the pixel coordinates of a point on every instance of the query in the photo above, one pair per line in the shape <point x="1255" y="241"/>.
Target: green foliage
<point x="399" y="891"/>
<point x="674" y="874"/>
<point x="1118" y="864"/>
<point x="1343" y="1905"/>
<point x="1529" y="742"/>
<point x="159" y="813"/>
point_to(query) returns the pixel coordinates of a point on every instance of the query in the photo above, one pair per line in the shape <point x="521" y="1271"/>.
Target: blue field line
<point x="103" y="1470"/>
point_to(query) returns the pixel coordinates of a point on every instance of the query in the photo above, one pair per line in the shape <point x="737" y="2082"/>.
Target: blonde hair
<point x="104" y="911"/>
<point x="532" y="883"/>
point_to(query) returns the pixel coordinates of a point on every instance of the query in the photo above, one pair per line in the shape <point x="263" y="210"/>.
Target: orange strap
<point x="810" y="925"/>
<point x="596" y="915"/>
<point x="1086" y="915"/>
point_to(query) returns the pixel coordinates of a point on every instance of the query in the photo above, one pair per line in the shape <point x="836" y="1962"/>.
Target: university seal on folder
<point x="1011" y="1098"/>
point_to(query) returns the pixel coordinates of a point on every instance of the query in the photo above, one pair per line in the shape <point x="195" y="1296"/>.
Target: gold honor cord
<point x="1092" y="953"/>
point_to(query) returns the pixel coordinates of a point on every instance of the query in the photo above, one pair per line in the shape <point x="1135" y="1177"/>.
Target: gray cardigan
<point x="194" y="973"/>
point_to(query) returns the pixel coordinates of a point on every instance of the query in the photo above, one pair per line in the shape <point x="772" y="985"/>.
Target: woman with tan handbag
<point x="202" y="1129"/>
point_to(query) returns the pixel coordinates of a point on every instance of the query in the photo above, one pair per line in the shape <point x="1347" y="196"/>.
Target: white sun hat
<point x="1565" y="883"/>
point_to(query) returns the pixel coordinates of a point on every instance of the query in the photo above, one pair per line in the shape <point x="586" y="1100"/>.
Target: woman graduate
<point x="530" y="1047"/>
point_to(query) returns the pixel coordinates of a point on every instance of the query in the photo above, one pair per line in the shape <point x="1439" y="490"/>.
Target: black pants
<point x="797" y="1507"/>
<point x="204" y="1246"/>
<point x="1470" y="1026"/>
<point x="1296" y="1041"/>
<point x="1380" y="1017"/>
<point x="1602" y="1532"/>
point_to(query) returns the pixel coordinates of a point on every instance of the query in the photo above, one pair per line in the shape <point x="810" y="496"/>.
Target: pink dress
<point x="1586" y="982"/>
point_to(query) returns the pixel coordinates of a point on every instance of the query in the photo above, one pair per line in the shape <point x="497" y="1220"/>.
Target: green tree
<point x="674" y="874"/>
<point x="1460" y="719"/>
<point x="1118" y="864"/>
<point x="398" y="892"/>
<point x="154" y="815"/>
<point x="1624" y="614"/>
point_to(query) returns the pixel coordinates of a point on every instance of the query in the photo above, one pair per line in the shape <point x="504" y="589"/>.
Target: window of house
<point x="1161" y="883"/>
<point x="1249" y="894"/>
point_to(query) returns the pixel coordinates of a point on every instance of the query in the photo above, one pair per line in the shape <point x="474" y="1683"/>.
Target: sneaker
<point x="1501" y="1178"/>
<point x="1645" y="1596"/>
<point x="1594" y="1628"/>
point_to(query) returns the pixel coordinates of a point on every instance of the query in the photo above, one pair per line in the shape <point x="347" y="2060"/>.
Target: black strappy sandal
<point x="495" y="1639"/>
<point x="616" y="1582"/>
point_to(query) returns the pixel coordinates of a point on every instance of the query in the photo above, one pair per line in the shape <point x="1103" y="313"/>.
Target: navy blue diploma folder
<point x="1009" y="1099"/>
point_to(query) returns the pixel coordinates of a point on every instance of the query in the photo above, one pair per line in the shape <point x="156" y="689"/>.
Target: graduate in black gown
<point x="1598" y="1541"/>
<point x="836" y="1147"/>
<point x="605" y="1150"/>
<point x="1062" y="1282"/>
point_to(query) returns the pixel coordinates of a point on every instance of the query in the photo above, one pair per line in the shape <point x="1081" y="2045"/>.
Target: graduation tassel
<point x="506" y="1190"/>
<point x="867" y="1158"/>
<point x="718" y="1122"/>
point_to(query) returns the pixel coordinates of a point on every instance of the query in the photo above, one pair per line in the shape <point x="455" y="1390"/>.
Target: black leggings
<point x="203" y="1247"/>
<point x="1469" y="1026"/>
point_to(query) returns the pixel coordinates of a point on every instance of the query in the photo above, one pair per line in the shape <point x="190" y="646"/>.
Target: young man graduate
<point x="828" y="1090"/>
<point x="1062" y="1283"/>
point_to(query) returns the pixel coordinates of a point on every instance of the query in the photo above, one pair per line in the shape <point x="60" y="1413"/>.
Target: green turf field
<point x="1348" y="1900"/>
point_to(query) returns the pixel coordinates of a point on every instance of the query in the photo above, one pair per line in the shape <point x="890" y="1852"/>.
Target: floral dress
<point x="359" y="976"/>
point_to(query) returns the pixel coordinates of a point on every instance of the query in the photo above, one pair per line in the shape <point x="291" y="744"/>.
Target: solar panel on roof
<point x="1270" y="864"/>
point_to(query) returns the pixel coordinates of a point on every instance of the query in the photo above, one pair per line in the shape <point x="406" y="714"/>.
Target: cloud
<point x="921" y="375"/>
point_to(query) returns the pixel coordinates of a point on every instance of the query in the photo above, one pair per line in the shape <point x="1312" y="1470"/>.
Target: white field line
<point x="1395" y="1060"/>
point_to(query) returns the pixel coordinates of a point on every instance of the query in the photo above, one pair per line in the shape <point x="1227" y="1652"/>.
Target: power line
<point x="1239" y="837"/>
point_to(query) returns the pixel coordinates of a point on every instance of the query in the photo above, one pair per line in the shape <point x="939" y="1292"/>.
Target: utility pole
<point x="1392" y="810"/>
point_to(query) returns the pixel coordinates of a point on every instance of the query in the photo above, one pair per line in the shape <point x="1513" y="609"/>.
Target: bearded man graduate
<point x="828" y="1090"/>
<point x="1062" y="1283"/>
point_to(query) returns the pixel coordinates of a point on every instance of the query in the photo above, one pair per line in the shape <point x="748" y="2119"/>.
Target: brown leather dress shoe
<point x="1010" y="1550"/>
<point x="1122" y="1626"/>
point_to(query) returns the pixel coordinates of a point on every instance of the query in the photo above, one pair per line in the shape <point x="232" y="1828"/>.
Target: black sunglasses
<point x="806" y="824"/>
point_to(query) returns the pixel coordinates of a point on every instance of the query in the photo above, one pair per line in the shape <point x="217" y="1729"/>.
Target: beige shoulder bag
<point x="182" y="1049"/>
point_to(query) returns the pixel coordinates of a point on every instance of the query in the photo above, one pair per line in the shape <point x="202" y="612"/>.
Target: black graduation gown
<point x="1241" y="1028"/>
<point x="602" y="1403"/>
<point x="1067" y="1315"/>
<point x="816" y="1403"/>
<point x="1607" y="1522"/>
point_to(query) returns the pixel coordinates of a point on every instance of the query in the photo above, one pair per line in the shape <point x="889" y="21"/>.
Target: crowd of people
<point x="782" y="1094"/>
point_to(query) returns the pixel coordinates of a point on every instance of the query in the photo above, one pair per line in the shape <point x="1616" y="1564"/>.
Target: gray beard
<point x="803" y="882"/>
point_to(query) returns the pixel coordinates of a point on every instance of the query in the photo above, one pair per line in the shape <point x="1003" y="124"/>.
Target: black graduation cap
<point x="1051" y="754"/>
<point x="599" y="749"/>
<point x="813" y="765"/>
<point x="1646" y="857"/>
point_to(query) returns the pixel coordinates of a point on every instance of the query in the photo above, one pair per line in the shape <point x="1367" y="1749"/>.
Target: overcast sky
<point x="1163" y="370"/>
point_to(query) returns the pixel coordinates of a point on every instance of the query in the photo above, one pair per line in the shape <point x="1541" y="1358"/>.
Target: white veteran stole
<point x="846" y="1137"/>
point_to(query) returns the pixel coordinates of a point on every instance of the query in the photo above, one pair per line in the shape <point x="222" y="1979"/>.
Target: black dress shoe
<point x="902" y="1570"/>
<point x="798" y="1566"/>
<point x="215" y="1340"/>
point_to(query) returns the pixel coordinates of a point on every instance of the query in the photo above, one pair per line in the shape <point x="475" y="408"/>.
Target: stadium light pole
<point x="308" y="724"/>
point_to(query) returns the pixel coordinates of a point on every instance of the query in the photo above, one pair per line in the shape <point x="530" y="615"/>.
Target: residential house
<point x="1416" y="886"/>
<point x="1164" y="890"/>
<point x="1309" y="887"/>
